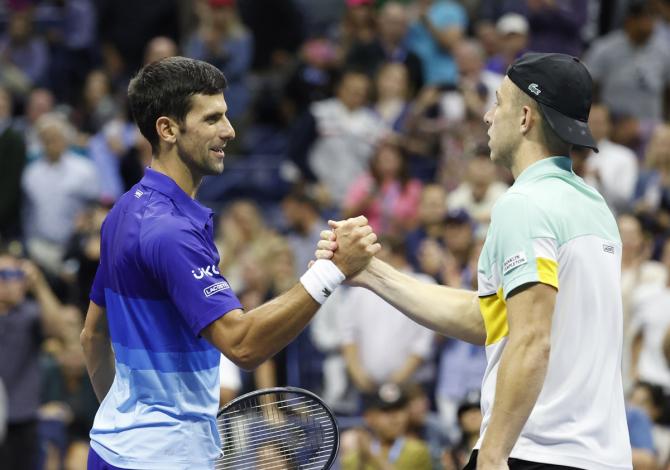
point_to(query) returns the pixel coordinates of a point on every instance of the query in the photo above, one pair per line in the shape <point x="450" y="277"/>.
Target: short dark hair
<point x="165" y="88"/>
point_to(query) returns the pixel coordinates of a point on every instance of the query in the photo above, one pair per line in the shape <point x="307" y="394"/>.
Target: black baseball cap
<point x="563" y="88"/>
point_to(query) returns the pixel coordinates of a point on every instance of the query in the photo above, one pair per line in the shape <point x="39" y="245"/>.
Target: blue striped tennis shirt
<point x="159" y="282"/>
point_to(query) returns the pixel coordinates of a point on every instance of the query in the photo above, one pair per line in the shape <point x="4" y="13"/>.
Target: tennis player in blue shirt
<point x="160" y="312"/>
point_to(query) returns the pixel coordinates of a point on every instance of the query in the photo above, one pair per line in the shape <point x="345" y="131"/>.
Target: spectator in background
<point x="159" y="48"/>
<point x="242" y="231"/>
<point x="477" y="85"/>
<point x="12" y="163"/>
<point x="452" y="266"/>
<point x="461" y="369"/>
<point x="357" y="29"/>
<point x="313" y="76"/>
<point x="386" y="194"/>
<point x="651" y="319"/>
<point x="653" y="401"/>
<point x="341" y="133"/>
<point x="304" y="223"/>
<point x="469" y="421"/>
<point x="392" y="95"/>
<point x="613" y="171"/>
<point x="222" y="40"/>
<point x="72" y="46"/>
<point x="439" y="27"/>
<point x="97" y="105"/>
<point x="512" y="30"/>
<point x="366" y="324"/>
<point x="631" y="67"/>
<point x="653" y="191"/>
<point x="556" y="25"/>
<point x="40" y="102"/>
<point x="126" y="27"/>
<point x="56" y="187"/>
<point x="641" y="439"/>
<point x="82" y="254"/>
<point x="68" y="400"/>
<point x="23" y="325"/>
<point x="385" y="444"/>
<point x="431" y="216"/>
<point x="389" y="45"/>
<point x="640" y="276"/>
<point x="480" y="190"/>
<point x="425" y="424"/>
<point x="24" y="54"/>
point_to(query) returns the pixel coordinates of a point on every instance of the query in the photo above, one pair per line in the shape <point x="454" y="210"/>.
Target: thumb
<point x="335" y="223"/>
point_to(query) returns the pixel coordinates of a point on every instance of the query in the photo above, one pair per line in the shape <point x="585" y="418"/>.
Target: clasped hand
<point x="349" y="243"/>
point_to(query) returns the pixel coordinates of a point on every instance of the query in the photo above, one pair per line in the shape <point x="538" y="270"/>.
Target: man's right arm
<point x="448" y="311"/>
<point x="98" y="352"/>
<point x="249" y="338"/>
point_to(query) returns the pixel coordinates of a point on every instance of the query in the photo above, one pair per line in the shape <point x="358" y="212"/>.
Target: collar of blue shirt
<point x="167" y="186"/>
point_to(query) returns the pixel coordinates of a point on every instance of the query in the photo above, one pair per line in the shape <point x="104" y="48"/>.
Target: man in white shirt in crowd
<point x="613" y="171"/>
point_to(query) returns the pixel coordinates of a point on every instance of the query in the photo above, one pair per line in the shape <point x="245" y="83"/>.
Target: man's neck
<point x="528" y="154"/>
<point x="180" y="173"/>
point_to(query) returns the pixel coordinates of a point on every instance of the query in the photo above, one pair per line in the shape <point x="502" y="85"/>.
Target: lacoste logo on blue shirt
<point x="214" y="288"/>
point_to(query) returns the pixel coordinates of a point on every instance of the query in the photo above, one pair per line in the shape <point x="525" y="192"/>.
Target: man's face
<point x="12" y="281"/>
<point x="393" y="23"/>
<point x="433" y="205"/>
<point x="639" y="28"/>
<point x="353" y="91"/>
<point x="54" y="141"/>
<point x="599" y="122"/>
<point x="204" y="135"/>
<point x="504" y="119"/>
<point x="388" y="425"/>
<point x="481" y="173"/>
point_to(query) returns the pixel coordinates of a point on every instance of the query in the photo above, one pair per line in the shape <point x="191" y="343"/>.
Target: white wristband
<point x="322" y="279"/>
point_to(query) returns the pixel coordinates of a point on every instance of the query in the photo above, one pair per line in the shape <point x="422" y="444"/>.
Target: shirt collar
<point x="546" y="166"/>
<point x="167" y="186"/>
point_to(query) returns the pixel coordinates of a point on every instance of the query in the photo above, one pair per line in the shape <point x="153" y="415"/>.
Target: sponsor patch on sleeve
<point x="214" y="288"/>
<point x="514" y="261"/>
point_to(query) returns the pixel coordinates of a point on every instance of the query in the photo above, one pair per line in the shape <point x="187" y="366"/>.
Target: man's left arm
<point x="521" y="373"/>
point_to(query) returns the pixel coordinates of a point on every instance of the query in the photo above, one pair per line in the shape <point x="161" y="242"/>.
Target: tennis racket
<point x="282" y="428"/>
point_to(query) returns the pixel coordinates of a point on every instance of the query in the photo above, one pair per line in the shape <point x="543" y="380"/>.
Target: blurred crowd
<point x="341" y="107"/>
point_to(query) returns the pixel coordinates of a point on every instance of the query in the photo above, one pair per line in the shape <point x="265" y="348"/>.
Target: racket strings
<point x="273" y="432"/>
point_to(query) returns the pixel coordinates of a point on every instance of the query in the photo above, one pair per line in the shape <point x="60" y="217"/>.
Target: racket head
<point x="280" y="428"/>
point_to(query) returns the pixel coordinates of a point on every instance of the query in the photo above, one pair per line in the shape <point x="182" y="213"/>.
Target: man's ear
<point x="527" y="119"/>
<point x="167" y="129"/>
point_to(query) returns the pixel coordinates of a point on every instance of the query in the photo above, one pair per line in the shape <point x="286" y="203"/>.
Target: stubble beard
<point x="198" y="168"/>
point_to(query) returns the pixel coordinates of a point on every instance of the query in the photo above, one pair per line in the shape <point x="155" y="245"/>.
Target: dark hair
<point x="403" y="172"/>
<point x="165" y="88"/>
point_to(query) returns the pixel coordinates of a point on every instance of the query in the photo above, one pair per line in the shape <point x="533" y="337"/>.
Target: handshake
<point x="350" y="244"/>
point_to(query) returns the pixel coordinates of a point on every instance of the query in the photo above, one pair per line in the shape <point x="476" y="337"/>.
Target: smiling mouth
<point x="218" y="150"/>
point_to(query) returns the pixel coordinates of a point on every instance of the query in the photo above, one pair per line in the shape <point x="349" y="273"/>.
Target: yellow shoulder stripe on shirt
<point x="494" y="308"/>
<point x="494" y="312"/>
<point x="547" y="271"/>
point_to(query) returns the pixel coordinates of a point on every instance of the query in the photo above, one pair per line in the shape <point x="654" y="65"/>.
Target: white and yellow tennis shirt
<point x="553" y="228"/>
